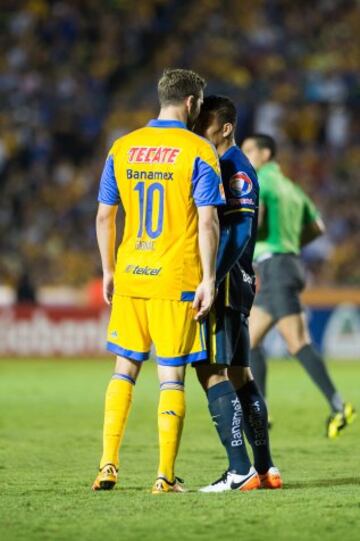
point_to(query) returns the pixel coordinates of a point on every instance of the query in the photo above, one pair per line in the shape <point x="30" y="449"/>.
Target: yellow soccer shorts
<point x="169" y="325"/>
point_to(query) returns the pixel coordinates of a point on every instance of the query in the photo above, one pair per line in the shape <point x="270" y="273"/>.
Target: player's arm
<point x="208" y="193"/>
<point x="106" y="237"/>
<point x="265" y="197"/>
<point x="236" y="225"/>
<point x="233" y="241"/>
<point x="313" y="226"/>
<point x="261" y="214"/>
<point x="208" y="246"/>
<point x="312" y="231"/>
<point x="109" y="200"/>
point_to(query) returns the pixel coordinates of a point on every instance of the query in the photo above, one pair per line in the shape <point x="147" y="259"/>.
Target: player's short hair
<point x="221" y="106"/>
<point x="177" y="84"/>
<point x="263" y="140"/>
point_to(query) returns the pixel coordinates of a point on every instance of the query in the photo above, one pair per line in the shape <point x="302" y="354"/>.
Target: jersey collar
<point x="156" y="123"/>
<point x="229" y="151"/>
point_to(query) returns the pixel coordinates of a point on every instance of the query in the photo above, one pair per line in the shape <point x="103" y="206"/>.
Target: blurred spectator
<point x="25" y="290"/>
<point x="75" y="75"/>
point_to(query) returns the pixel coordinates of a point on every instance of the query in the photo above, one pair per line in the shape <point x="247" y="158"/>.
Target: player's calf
<point x="171" y="413"/>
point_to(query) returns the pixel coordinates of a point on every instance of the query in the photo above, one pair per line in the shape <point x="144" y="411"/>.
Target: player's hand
<point x="204" y="298"/>
<point x="108" y="287"/>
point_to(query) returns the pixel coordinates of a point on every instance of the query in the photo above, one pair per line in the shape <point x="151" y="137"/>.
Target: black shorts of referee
<point x="280" y="280"/>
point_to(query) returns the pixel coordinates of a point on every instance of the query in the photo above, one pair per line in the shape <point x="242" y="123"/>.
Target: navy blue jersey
<point x="242" y="202"/>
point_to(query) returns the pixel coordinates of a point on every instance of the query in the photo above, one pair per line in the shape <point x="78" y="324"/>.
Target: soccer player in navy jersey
<point x="235" y="403"/>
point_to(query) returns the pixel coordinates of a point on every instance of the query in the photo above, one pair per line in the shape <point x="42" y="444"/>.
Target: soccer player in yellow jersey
<point x="162" y="285"/>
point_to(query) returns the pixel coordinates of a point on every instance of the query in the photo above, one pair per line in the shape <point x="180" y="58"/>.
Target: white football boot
<point x="234" y="481"/>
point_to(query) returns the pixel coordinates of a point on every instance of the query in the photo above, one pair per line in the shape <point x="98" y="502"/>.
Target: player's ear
<point x="227" y="129"/>
<point x="190" y="103"/>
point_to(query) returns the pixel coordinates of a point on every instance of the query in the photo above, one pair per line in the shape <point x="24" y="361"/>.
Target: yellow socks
<point x="117" y="406"/>
<point x="171" y="415"/>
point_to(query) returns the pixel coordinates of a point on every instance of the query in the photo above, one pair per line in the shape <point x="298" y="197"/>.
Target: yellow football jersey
<point x="161" y="173"/>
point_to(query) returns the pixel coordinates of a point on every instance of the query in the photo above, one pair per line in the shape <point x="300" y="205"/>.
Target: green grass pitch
<point x="51" y="417"/>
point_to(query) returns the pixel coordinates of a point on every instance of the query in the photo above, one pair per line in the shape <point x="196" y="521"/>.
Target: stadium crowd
<point x="74" y="75"/>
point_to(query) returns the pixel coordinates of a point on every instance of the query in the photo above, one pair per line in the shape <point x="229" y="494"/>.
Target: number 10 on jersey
<point x="148" y="197"/>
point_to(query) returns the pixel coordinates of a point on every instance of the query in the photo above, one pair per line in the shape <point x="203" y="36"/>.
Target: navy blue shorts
<point x="227" y="337"/>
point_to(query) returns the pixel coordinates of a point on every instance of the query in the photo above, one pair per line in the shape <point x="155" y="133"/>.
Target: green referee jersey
<point x="287" y="211"/>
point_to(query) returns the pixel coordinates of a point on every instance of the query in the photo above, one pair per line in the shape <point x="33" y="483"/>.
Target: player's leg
<point x="210" y="375"/>
<point x="171" y="413"/>
<point x="128" y="339"/>
<point x="254" y="409"/>
<point x="178" y="340"/>
<point x="255" y="416"/>
<point x="224" y="405"/>
<point x="226" y="414"/>
<point x="287" y="278"/>
<point x="272" y="273"/>
<point x="118" y="398"/>
<point x="295" y="332"/>
<point x="259" y="368"/>
<point x="260" y="322"/>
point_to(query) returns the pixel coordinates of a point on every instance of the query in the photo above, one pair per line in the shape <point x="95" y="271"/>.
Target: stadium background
<point x="74" y="75"/>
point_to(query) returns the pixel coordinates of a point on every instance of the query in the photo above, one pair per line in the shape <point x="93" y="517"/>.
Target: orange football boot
<point x="271" y="479"/>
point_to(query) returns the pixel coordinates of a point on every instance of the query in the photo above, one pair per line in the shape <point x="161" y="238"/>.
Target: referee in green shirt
<point x="288" y="220"/>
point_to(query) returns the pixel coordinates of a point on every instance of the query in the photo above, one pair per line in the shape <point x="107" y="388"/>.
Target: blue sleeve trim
<point x="128" y="353"/>
<point x="108" y="191"/>
<point x="182" y="360"/>
<point x="207" y="185"/>
<point x="187" y="295"/>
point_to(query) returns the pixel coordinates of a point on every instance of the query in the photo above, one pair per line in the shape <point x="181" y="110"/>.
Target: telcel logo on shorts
<point x="148" y="271"/>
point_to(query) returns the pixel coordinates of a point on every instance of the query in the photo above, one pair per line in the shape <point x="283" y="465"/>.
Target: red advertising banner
<point x="37" y="331"/>
<point x="44" y="331"/>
